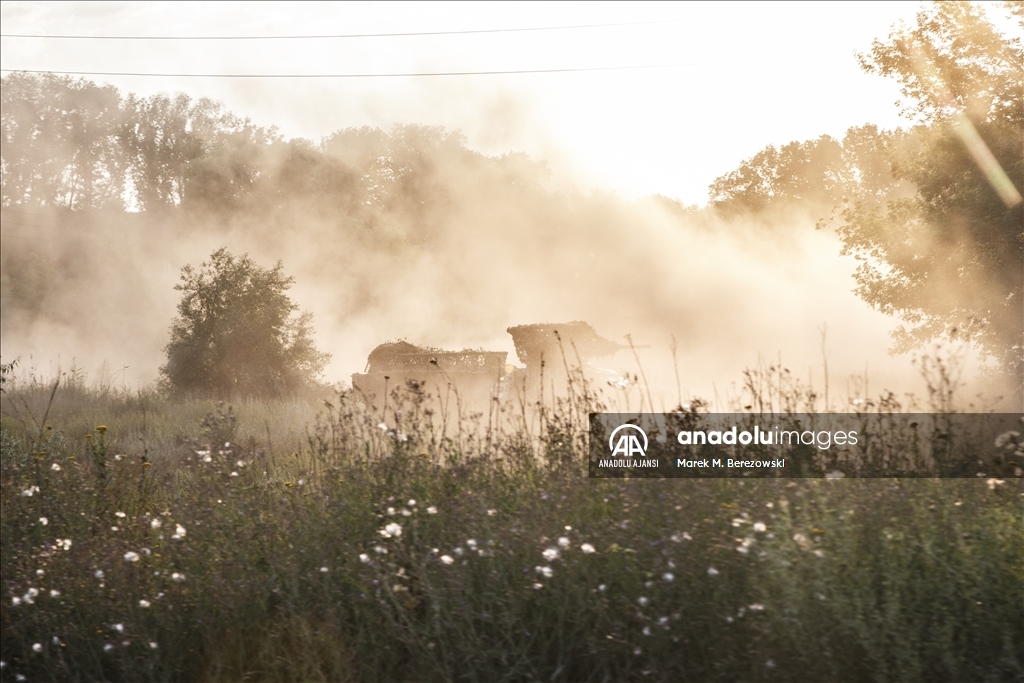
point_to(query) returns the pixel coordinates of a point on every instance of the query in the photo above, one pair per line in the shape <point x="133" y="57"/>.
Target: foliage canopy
<point x="933" y="212"/>
<point x="235" y="332"/>
<point x="948" y="259"/>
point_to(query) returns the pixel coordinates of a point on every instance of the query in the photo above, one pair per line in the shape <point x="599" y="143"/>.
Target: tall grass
<point x="317" y="539"/>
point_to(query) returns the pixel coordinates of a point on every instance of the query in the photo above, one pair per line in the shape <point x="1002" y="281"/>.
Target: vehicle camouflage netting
<point x="400" y="356"/>
<point x="546" y="339"/>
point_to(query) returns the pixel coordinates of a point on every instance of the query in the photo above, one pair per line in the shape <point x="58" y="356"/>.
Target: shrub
<point x="236" y="332"/>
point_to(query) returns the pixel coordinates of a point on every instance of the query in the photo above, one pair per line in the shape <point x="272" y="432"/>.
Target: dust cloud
<point x="447" y="247"/>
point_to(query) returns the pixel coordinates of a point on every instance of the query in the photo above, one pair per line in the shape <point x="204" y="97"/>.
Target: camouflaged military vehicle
<point x="549" y="349"/>
<point x="480" y="377"/>
<point x="476" y="376"/>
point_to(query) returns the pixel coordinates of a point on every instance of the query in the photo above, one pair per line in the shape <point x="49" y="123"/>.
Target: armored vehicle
<point x="480" y="377"/>
<point x="476" y="376"/>
<point x="549" y="349"/>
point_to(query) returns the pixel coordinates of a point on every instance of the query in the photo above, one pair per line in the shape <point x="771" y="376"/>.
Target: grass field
<point x="312" y="539"/>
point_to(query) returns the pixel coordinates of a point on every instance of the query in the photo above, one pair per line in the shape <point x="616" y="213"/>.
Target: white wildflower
<point x="64" y="543"/>
<point x="392" y="530"/>
<point x="760" y="527"/>
<point x="551" y="554"/>
<point x="15" y="601"/>
<point x="98" y="574"/>
<point x="37" y="647"/>
<point x="54" y="593"/>
<point x="55" y="467"/>
<point x="380" y="550"/>
<point x="602" y="588"/>
<point x="177" y="577"/>
<point x="668" y="576"/>
<point x="324" y="570"/>
<point x="563" y="542"/>
<point x="44" y="521"/>
<point x="431" y="510"/>
<point x="364" y="558"/>
<point x="411" y="503"/>
<point x="152" y="645"/>
<point x="131" y="556"/>
<point x="179" y="532"/>
<point x="118" y="627"/>
<point x="120" y="515"/>
<point x="383" y="426"/>
<point x="144" y="603"/>
<point x="108" y="647"/>
<point x="547" y="572"/>
<point x="642" y="601"/>
<point x="757" y="607"/>
<point x="492" y="512"/>
<point x="712" y="571"/>
<point x="646" y="631"/>
<point x="447" y="559"/>
<point x="587" y="548"/>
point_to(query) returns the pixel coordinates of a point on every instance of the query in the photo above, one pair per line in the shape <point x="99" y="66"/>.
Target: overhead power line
<point x="357" y="75"/>
<point x="342" y="35"/>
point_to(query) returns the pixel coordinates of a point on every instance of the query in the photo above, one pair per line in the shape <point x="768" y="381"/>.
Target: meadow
<point x="313" y="538"/>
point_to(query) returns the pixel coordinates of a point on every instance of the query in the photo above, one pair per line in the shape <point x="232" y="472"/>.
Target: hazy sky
<point x="749" y="74"/>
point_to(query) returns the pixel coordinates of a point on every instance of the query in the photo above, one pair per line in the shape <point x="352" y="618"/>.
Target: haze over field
<point x="533" y="198"/>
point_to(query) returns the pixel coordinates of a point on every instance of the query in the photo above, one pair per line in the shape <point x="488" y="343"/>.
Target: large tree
<point x="949" y="260"/>
<point x="236" y="332"/>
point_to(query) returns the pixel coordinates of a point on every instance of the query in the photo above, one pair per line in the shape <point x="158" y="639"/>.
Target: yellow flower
<point x="101" y="428"/>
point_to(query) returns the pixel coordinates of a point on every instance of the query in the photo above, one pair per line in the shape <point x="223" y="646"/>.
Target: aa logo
<point x="628" y="444"/>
